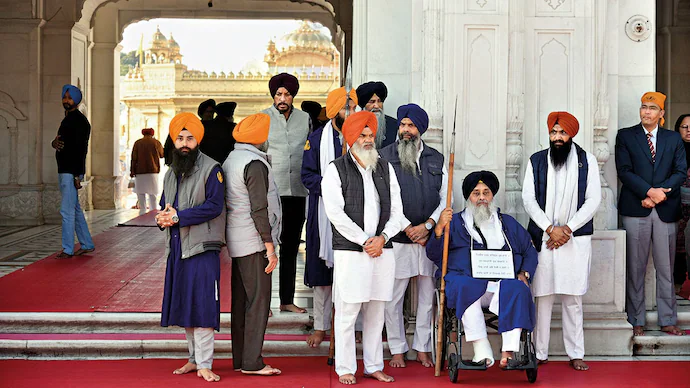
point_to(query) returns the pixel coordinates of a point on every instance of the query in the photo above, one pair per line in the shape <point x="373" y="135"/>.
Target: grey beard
<point x="263" y="147"/>
<point x="407" y="152"/>
<point x="367" y="157"/>
<point x="381" y="131"/>
<point x="481" y="214"/>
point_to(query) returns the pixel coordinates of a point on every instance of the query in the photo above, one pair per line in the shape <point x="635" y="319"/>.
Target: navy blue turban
<point x="415" y="113"/>
<point x="283" y="80"/>
<point x="74" y="92"/>
<point x="472" y="180"/>
<point x="366" y="90"/>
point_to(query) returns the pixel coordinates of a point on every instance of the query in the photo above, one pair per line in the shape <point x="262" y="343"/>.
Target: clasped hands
<point x="374" y="246"/>
<point x="418" y="234"/>
<point x="164" y="217"/>
<point x="655" y="196"/>
<point x="558" y="236"/>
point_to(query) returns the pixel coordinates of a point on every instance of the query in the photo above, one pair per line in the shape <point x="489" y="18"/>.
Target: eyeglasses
<point x="684" y="127"/>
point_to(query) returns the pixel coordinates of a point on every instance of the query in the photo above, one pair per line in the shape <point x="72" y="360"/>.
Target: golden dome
<point x="307" y="37"/>
<point x="158" y="40"/>
<point x="172" y="43"/>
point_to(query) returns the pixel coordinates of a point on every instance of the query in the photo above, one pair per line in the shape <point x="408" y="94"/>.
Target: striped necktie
<point x="651" y="146"/>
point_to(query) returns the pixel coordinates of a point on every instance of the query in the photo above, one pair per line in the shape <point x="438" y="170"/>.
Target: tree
<point x="127" y="61"/>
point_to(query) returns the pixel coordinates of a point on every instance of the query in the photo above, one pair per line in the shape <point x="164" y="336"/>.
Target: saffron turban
<point x="355" y="124"/>
<point x="74" y="93"/>
<point x="147" y="131"/>
<point x="366" y="90"/>
<point x="567" y="121"/>
<point x="283" y="80"/>
<point x="226" y="109"/>
<point x="253" y="129"/>
<point x="415" y="113"/>
<point x="656" y="98"/>
<point x="204" y="105"/>
<point x="336" y="101"/>
<point x="188" y="121"/>
<point x="474" y="178"/>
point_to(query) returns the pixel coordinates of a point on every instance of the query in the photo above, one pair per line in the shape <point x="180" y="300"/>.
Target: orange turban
<point x="336" y="101"/>
<point x="355" y="124"/>
<point x="656" y="98"/>
<point x="188" y="121"/>
<point x="253" y="129"/>
<point x="567" y="121"/>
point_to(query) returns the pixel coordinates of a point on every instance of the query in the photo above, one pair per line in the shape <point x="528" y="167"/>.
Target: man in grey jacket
<point x="252" y="230"/>
<point x="288" y="133"/>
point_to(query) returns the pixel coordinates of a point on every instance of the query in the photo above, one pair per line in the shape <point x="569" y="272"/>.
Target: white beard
<point x="407" y="152"/>
<point x="367" y="157"/>
<point x="381" y="131"/>
<point x="481" y="214"/>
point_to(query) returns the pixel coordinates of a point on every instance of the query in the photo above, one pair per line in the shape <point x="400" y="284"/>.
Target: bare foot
<point x="424" y="358"/>
<point x="270" y="313"/>
<point x="188" y="367"/>
<point x="266" y="371"/>
<point x="638" y="331"/>
<point x="347" y="379"/>
<point x="398" y="361"/>
<point x="505" y="357"/>
<point x="380" y="376"/>
<point x="358" y="337"/>
<point x="579" y="364"/>
<point x="292" y="308"/>
<point x="673" y="330"/>
<point x="207" y="375"/>
<point x="315" y="339"/>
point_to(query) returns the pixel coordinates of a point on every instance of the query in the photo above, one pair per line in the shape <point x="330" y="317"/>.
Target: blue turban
<point x="74" y="92"/>
<point x="415" y="113"/>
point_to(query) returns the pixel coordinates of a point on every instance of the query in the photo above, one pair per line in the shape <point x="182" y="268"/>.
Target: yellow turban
<point x="253" y="129"/>
<point x="336" y="101"/>
<point x="656" y="98"/>
<point x="188" y="121"/>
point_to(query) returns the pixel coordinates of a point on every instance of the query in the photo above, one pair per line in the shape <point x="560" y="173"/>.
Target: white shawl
<point x="561" y="216"/>
<point x="326" y="155"/>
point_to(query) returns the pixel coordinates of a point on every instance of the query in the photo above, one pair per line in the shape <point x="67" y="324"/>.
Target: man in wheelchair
<point x="480" y="270"/>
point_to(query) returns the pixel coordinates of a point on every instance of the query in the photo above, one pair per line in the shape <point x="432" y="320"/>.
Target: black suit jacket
<point x="638" y="174"/>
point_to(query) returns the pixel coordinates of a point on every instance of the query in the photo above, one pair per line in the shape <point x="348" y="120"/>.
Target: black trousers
<point x="251" y="299"/>
<point x="293" y="221"/>
<point x="680" y="268"/>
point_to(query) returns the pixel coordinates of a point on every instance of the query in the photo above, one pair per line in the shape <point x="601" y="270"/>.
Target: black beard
<point x="339" y="121"/>
<point x="282" y="108"/>
<point x="559" y="153"/>
<point x="67" y="106"/>
<point x="182" y="163"/>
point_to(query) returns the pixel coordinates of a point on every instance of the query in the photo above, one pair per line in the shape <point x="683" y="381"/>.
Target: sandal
<point x="63" y="255"/>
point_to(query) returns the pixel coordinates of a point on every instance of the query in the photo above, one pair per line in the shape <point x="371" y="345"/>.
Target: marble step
<point x="683" y="322"/>
<point x="657" y="343"/>
<point x="280" y="323"/>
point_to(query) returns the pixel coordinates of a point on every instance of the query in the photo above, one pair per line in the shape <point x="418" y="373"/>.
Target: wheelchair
<point x="451" y="349"/>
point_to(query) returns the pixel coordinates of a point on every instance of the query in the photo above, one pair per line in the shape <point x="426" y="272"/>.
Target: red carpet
<point x="313" y="372"/>
<point x="124" y="274"/>
<point x="685" y="290"/>
<point x="147" y="219"/>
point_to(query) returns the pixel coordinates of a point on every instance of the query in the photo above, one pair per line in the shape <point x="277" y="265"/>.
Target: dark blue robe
<point x="316" y="273"/>
<point x="516" y="308"/>
<point x="191" y="295"/>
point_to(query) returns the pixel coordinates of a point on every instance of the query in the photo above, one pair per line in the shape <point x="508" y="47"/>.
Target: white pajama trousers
<point x="153" y="204"/>
<point x="372" y="343"/>
<point x="573" y="331"/>
<point x="323" y="307"/>
<point x="475" y="326"/>
<point x="395" y="325"/>
<point x="200" y="345"/>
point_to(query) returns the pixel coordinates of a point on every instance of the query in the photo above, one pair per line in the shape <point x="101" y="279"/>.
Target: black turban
<point x="472" y="180"/>
<point x="313" y="108"/>
<point x="226" y="109"/>
<point x="204" y="105"/>
<point x="366" y="90"/>
<point x="284" y="80"/>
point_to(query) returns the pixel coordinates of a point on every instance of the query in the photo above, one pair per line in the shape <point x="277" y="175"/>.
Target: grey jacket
<point x="287" y="139"/>
<point x="195" y="239"/>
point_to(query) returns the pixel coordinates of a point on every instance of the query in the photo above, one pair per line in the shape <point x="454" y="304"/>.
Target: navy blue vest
<point x="540" y="168"/>
<point x="352" y="186"/>
<point x="420" y="193"/>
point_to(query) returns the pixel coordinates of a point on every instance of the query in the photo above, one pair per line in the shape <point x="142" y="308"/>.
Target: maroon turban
<point x="284" y="80"/>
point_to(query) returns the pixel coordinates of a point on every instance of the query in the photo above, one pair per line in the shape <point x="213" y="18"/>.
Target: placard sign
<point x="492" y="264"/>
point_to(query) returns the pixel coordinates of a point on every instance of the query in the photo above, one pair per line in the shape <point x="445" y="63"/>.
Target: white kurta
<point x="146" y="184"/>
<point x="357" y="277"/>
<point x="564" y="270"/>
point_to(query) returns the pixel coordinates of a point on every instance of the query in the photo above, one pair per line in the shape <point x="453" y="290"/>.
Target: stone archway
<point x="99" y="32"/>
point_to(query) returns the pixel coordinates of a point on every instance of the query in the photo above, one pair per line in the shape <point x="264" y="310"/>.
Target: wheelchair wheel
<point x="435" y="313"/>
<point x="531" y="374"/>
<point x="453" y="360"/>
